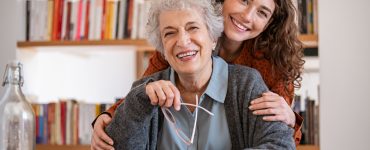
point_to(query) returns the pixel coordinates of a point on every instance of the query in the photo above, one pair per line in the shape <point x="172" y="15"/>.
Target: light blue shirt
<point x="211" y="132"/>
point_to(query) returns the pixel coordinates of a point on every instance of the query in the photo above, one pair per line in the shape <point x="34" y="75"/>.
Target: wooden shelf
<point x="310" y="41"/>
<point x="62" y="147"/>
<point x="87" y="147"/>
<point x="308" y="147"/>
<point x="141" y="44"/>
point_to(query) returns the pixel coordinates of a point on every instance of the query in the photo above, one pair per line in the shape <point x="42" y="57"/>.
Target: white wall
<point x="99" y="75"/>
<point x="7" y="35"/>
<point x="344" y="31"/>
<point x="92" y="74"/>
<point x="310" y="81"/>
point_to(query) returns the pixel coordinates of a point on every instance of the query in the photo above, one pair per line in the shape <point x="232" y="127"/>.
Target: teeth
<point x="187" y="54"/>
<point x="240" y="26"/>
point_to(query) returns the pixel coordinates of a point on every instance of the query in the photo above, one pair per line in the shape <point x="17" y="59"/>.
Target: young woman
<point x="213" y="92"/>
<point x="257" y="33"/>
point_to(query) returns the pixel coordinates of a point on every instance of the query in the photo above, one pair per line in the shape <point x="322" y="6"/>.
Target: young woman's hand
<point x="163" y="93"/>
<point x="100" y="140"/>
<point x="275" y="107"/>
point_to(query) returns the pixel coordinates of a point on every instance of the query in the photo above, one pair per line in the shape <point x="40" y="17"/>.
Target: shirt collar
<point x="217" y="85"/>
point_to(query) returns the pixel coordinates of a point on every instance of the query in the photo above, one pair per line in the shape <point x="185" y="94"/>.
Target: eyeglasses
<point x="172" y="121"/>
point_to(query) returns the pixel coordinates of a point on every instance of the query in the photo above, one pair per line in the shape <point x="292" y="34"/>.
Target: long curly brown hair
<point x="280" y="44"/>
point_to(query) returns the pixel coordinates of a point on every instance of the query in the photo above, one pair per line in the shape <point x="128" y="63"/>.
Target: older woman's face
<point x="186" y="40"/>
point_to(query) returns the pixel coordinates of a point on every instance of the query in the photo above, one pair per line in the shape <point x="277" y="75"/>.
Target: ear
<point x="164" y="55"/>
<point x="214" y="44"/>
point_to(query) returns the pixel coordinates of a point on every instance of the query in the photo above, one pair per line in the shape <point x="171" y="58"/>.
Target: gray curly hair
<point x="210" y="12"/>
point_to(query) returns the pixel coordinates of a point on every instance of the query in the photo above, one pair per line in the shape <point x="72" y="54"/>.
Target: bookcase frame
<point x="87" y="147"/>
<point x="142" y="47"/>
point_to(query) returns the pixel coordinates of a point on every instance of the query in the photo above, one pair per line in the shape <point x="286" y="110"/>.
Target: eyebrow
<point x="191" y="23"/>
<point x="266" y="8"/>
<point x="187" y="24"/>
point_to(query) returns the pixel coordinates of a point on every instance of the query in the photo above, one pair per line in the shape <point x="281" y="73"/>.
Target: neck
<point x="190" y="85"/>
<point x="230" y="49"/>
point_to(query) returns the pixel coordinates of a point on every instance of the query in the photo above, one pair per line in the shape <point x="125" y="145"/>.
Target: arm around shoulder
<point x="266" y="134"/>
<point x="130" y="125"/>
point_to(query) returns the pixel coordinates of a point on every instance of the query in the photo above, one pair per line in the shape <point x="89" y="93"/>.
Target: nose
<point x="247" y="14"/>
<point x="183" y="39"/>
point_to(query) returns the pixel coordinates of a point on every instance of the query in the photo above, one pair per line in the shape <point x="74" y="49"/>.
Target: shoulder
<point x="247" y="80"/>
<point x="240" y="72"/>
<point x="161" y="75"/>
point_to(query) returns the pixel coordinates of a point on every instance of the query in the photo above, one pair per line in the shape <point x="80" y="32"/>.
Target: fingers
<point x="264" y="105"/>
<point x="100" y="140"/>
<point x="267" y="98"/>
<point x="106" y="119"/>
<point x="99" y="126"/>
<point x="267" y="112"/>
<point x="176" y="101"/>
<point x="273" y="118"/>
<point x="99" y="144"/>
<point x="163" y="93"/>
<point x="151" y="93"/>
<point x="269" y="93"/>
<point x="275" y="107"/>
<point x="273" y="115"/>
<point x="159" y="93"/>
<point x="169" y="95"/>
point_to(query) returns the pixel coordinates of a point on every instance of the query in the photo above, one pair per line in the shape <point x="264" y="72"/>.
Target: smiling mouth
<point x="186" y="54"/>
<point x="239" y="25"/>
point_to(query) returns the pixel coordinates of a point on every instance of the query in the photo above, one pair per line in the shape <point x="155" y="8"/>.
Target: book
<point x="66" y="121"/>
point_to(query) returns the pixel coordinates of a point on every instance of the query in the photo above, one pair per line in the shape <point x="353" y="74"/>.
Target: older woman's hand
<point x="163" y="93"/>
<point x="99" y="139"/>
<point x="275" y="107"/>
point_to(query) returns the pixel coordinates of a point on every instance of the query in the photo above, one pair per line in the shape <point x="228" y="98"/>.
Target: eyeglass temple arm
<point x="196" y="118"/>
<point x="198" y="107"/>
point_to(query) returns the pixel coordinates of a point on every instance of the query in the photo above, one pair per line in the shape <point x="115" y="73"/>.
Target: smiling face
<point x="246" y="19"/>
<point x="186" y="41"/>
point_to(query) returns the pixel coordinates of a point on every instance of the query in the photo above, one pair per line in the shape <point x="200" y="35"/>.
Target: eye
<point x="245" y="2"/>
<point x="262" y="13"/>
<point x="168" y="33"/>
<point x="192" y="28"/>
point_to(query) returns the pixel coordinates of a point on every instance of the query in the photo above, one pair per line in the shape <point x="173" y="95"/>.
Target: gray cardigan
<point x="136" y="122"/>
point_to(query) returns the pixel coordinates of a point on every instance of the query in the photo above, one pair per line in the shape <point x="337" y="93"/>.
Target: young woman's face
<point x="186" y="40"/>
<point x="246" y="19"/>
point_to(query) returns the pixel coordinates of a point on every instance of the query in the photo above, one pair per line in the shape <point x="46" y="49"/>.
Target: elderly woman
<point x="185" y="32"/>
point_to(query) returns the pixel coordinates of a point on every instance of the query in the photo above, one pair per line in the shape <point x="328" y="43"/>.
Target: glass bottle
<point x="17" y="119"/>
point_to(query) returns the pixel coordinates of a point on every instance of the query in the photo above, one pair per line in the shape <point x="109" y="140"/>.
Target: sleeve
<point x="156" y="63"/>
<point x="275" y="84"/>
<point x="266" y="134"/>
<point x="113" y="108"/>
<point x="297" y="128"/>
<point x="288" y="96"/>
<point x="130" y="126"/>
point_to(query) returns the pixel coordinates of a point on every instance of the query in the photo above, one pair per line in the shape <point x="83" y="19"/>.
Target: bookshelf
<point x="102" y="31"/>
<point x="308" y="147"/>
<point x="62" y="147"/>
<point x="142" y="47"/>
<point x="309" y="41"/>
<point x="87" y="147"/>
<point x="141" y="44"/>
